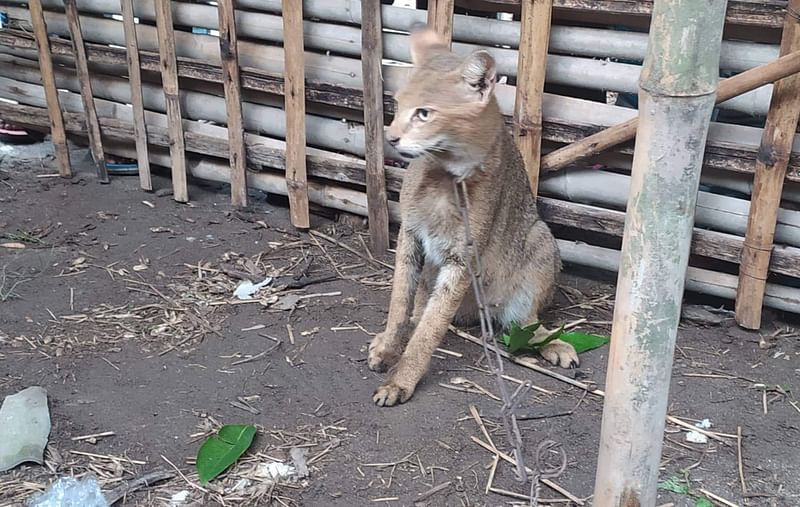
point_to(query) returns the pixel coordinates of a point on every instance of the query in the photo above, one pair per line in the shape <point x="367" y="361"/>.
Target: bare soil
<point x="121" y="306"/>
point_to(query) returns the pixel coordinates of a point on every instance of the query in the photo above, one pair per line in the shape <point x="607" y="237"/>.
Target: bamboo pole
<point x="135" y="78"/>
<point x="534" y="38"/>
<point x="295" y="99"/>
<point x="344" y="199"/>
<point x="211" y="140"/>
<point x="741" y="12"/>
<point x="440" y="17"/>
<point x="702" y="281"/>
<point x="678" y="85"/>
<point x="82" y="66"/>
<point x="733" y="86"/>
<point x="713" y="211"/>
<point x="201" y="138"/>
<point x="57" y="134"/>
<point x="718" y="212"/>
<point x="372" y="56"/>
<point x="566" y="119"/>
<point x="169" y="80"/>
<point x="259" y="23"/>
<point x="705" y="243"/>
<point x="229" y="55"/>
<point x="591" y="73"/>
<point x="770" y="172"/>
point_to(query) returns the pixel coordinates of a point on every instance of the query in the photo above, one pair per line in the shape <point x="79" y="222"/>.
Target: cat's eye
<point x="422" y="114"/>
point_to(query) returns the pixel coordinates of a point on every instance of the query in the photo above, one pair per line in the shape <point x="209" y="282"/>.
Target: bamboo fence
<point x="306" y="88"/>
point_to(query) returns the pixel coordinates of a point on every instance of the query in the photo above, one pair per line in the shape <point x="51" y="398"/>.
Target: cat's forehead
<point x="436" y="81"/>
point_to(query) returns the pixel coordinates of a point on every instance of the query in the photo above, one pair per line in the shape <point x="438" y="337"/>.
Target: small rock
<point x="163" y="192"/>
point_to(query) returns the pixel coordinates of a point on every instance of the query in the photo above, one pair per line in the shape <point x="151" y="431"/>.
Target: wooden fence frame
<point x="379" y="179"/>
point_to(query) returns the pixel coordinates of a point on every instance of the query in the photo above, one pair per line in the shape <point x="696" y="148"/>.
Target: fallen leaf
<point x="584" y="342"/>
<point x="222" y="450"/>
<point x="517" y="339"/>
<point x="674" y="485"/>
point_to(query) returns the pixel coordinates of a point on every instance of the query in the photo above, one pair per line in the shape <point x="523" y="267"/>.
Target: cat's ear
<point x="424" y="41"/>
<point x="479" y="72"/>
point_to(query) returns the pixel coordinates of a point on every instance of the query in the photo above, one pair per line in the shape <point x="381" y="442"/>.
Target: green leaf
<point x="220" y="451"/>
<point x="583" y="341"/>
<point x="558" y="333"/>
<point x="518" y="337"/>
<point x="703" y="502"/>
<point x="675" y="485"/>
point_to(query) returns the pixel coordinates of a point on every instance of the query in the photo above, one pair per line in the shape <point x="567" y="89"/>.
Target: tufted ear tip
<point x="423" y="41"/>
<point x="480" y="72"/>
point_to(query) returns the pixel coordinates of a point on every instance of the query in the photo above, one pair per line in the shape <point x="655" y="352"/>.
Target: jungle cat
<point x="448" y="123"/>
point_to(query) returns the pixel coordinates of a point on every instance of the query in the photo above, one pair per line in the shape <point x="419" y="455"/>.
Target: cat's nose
<point x="393" y="140"/>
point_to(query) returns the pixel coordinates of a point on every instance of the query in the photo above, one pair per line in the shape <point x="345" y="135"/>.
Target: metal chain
<point x="495" y="363"/>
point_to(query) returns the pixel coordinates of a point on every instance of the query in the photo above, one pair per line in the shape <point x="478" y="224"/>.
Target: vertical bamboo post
<point x="770" y="171"/>
<point x="229" y="54"/>
<point x="371" y="57"/>
<point x="87" y="97"/>
<point x="533" y="44"/>
<point x="440" y="17"/>
<point x="295" y="105"/>
<point x="57" y="132"/>
<point x="169" y="82"/>
<point x="676" y="97"/>
<point x="135" y="78"/>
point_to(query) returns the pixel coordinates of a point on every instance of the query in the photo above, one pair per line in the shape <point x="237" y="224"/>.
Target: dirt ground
<point x="121" y="306"/>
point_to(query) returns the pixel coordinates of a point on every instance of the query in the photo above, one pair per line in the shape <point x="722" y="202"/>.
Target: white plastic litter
<point x="247" y="289"/>
<point x="696" y="438"/>
<point x="68" y="492"/>
<point x="298" y="455"/>
<point x="274" y="470"/>
<point x="705" y="424"/>
<point x="178" y="499"/>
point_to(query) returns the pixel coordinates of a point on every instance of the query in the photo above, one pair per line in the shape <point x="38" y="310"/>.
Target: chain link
<point x="495" y="363"/>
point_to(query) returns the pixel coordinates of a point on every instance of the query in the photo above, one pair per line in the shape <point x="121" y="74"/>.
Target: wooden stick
<point x="440" y="17"/>
<point x="169" y="81"/>
<point x="372" y="55"/>
<point x="533" y="45"/>
<point x="728" y="88"/>
<point x="295" y="100"/>
<point x="229" y="55"/>
<point x="135" y="78"/>
<point x="771" y="163"/>
<point x="717" y="498"/>
<point x="57" y="133"/>
<point x="128" y="487"/>
<point x="82" y="66"/>
<point x="740" y="461"/>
